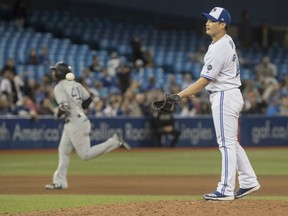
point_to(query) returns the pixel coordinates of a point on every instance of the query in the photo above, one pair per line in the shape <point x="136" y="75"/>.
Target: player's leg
<point x="225" y="135"/>
<point x="64" y="150"/>
<point x="225" y="110"/>
<point x="246" y="175"/>
<point x="88" y="152"/>
<point x="248" y="182"/>
<point x="81" y="142"/>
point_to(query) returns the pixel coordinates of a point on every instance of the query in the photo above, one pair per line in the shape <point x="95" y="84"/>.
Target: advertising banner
<point x="21" y="133"/>
<point x="264" y="131"/>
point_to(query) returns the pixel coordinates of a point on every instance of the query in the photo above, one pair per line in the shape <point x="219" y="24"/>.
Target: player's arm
<point x="86" y="103"/>
<point x="61" y="100"/>
<point x="86" y="98"/>
<point x="62" y="109"/>
<point x="194" y="88"/>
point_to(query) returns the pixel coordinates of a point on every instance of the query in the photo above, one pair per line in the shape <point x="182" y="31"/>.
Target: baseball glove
<point x="168" y="105"/>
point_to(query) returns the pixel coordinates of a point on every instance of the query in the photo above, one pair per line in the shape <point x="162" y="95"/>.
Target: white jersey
<point x="69" y="96"/>
<point x="221" y="65"/>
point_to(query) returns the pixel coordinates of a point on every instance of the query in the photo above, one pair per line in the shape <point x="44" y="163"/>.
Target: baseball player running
<point x="73" y="99"/>
<point x="220" y="75"/>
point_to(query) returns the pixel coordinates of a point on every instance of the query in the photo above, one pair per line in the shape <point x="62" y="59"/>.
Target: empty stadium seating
<point x="76" y="39"/>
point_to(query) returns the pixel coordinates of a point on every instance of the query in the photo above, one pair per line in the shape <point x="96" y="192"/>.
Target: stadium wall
<point x="24" y="133"/>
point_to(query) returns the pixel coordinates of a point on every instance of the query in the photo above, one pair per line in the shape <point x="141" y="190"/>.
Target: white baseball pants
<point x="226" y="108"/>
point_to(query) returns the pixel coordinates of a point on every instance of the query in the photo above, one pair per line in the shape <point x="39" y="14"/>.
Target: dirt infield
<point x="153" y="185"/>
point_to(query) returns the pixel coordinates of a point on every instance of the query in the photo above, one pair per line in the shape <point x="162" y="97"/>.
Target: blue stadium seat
<point x="170" y="46"/>
<point x="247" y="74"/>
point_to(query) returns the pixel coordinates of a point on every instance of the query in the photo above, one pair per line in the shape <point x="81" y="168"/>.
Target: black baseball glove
<point x="168" y="105"/>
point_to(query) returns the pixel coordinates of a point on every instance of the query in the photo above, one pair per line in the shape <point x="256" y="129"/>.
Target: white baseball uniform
<point x="221" y="66"/>
<point x="76" y="132"/>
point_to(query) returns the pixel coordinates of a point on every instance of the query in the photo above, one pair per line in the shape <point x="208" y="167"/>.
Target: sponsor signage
<point x="21" y="133"/>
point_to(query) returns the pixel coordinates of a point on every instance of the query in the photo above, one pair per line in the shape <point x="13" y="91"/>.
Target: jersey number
<point x="75" y="93"/>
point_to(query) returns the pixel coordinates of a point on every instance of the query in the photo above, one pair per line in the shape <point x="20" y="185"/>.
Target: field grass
<point x="136" y="162"/>
<point x="22" y="203"/>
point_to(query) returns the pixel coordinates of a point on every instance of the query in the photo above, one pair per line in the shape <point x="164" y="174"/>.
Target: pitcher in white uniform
<point x="220" y="75"/>
<point x="72" y="99"/>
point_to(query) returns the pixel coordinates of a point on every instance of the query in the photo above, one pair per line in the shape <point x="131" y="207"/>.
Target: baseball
<point x="70" y="76"/>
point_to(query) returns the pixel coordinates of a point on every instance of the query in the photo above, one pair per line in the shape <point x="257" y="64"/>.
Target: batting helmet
<point x="61" y="69"/>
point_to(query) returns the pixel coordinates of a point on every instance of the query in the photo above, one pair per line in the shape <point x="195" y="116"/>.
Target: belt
<point x="212" y="92"/>
<point x="67" y="120"/>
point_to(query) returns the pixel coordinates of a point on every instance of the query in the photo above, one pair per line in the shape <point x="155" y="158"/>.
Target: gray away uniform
<point x="76" y="132"/>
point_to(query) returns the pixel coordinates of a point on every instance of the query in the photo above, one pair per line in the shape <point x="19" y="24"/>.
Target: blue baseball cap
<point x="218" y="14"/>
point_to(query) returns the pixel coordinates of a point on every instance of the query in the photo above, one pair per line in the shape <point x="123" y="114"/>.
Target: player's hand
<point x="58" y="113"/>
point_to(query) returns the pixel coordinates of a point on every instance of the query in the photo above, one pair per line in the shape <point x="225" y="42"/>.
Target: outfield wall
<point x="21" y="133"/>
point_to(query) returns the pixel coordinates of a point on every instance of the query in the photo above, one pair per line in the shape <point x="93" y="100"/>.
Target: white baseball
<point x="70" y="76"/>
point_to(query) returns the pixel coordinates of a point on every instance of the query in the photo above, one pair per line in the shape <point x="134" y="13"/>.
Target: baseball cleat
<point x="121" y="142"/>
<point x="241" y="192"/>
<point x="54" y="187"/>
<point x="217" y="196"/>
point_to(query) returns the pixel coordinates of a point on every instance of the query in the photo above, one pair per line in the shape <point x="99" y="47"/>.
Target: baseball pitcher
<point x="220" y="75"/>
